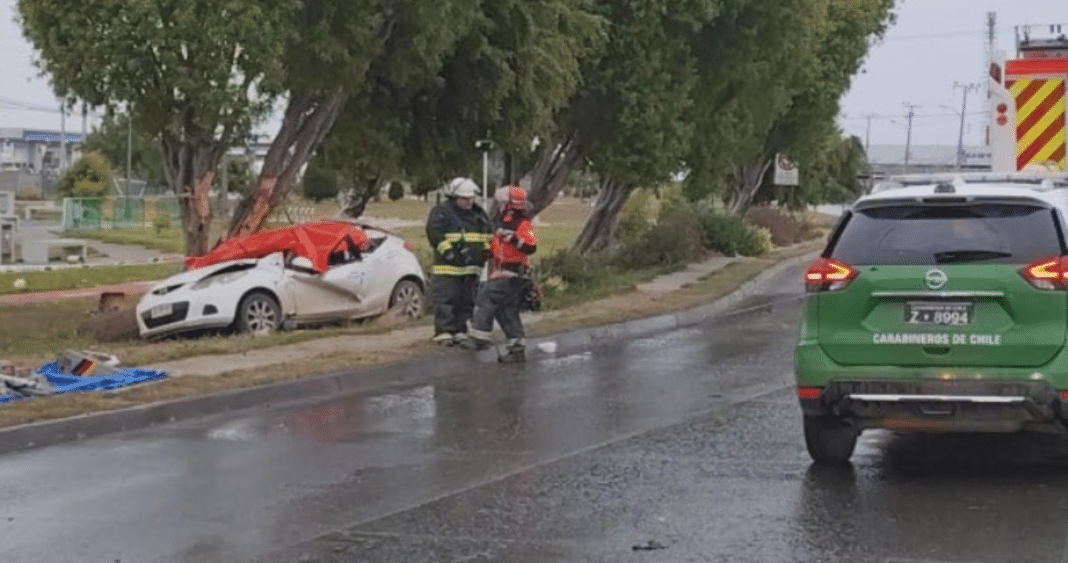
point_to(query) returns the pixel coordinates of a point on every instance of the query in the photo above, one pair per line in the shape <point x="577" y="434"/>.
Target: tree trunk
<point x="550" y="173"/>
<point x="190" y="169"/>
<point x="356" y="199"/>
<point x="748" y="179"/>
<point x="600" y="226"/>
<point x="308" y="118"/>
<point x="511" y="175"/>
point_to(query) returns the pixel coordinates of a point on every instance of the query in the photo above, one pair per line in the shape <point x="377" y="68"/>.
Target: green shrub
<point x="396" y="191"/>
<point x="162" y="223"/>
<point x="784" y="229"/>
<point x="676" y="238"/>
<point x="634" y="219"/>
<point x="319" y="182"/>
<point x="564" y="269"/>
<point x="733" y="235"/>
<point x="89" y="176"/>
<point x="764" y="243"/>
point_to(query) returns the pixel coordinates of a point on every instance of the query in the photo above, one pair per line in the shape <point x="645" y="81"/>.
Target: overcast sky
<point x="934" y="44"/>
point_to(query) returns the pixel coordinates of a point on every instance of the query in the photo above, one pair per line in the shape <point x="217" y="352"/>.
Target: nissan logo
<point x="936" y="279"/>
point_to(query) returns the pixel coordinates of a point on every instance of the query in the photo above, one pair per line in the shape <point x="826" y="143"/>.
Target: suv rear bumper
<point x="932" y="399"/>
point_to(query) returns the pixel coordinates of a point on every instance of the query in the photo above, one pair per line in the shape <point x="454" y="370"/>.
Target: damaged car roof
<point x="314" y="241"/>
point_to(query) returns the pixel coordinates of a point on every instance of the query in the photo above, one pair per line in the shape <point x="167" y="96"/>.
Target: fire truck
<point x="1027" y="130"/>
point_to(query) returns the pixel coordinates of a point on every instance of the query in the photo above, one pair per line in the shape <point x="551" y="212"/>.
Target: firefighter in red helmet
<point x="500" y="295"/>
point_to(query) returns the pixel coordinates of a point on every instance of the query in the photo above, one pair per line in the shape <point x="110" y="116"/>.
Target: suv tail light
<point x="828" y="274"/>
<point x="1048" y="273"/>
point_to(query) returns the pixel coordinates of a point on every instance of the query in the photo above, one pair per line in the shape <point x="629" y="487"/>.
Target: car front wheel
<point x="407" y="299"/>
<point x="829" y="441"/>
<point x="258" y="313"/>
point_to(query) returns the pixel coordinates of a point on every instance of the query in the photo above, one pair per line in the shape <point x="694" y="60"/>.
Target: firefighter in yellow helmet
<point x="459" y="232"/>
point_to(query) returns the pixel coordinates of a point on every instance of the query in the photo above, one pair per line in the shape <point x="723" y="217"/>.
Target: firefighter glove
<point x="508" y="236"/>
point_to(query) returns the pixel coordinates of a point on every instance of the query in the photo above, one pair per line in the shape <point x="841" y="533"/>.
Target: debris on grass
<point x="71" y="371"/>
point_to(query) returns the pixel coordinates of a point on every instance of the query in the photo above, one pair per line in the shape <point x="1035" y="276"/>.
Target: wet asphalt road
<point x="681" y="447"/>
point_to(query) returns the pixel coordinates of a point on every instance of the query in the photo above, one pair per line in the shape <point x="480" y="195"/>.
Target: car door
<point x="379" y="275"/>
<point x="334" y="294"/>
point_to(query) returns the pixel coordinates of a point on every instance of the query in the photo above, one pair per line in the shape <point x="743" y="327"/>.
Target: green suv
<point x="940" y="304"/>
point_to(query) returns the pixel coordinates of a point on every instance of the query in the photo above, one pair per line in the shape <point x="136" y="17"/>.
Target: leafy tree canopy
<point x="510" y="67"/>
<point x="802" y="55"/>
<point x="194" y="74"/>
<point x="113" y="138"/>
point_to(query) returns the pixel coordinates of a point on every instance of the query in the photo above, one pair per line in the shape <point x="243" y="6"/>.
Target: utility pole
<point x="963" y="109"/>
<point x="485" y="145"/>
<point x="908" y="135"/>
<point x="991" y="38"/>
<point x="129" y="150"/>
<point x="867" y="135"/>
<point x="62" y="138"/>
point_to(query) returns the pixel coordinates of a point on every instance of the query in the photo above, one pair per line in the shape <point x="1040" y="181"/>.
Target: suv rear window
<point x="919" y="234"/>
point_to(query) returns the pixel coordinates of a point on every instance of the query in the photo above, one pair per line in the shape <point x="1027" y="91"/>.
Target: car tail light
<point x="409" y="246"/>
<point x="1048" y="273"/>
<point x="828" y="274"/>
<point x="809" y="393"/>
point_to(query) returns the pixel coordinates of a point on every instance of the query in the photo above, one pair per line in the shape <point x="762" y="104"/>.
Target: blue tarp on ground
<point x="66" y="383"/>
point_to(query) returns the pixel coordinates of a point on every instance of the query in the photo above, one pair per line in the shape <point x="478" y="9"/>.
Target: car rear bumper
<point x="933" y="399"/>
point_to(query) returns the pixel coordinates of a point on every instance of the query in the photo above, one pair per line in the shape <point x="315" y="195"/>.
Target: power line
<point x="915" y="116"/>
<point x="20" y="106"/>
<point x="976" y="32"/>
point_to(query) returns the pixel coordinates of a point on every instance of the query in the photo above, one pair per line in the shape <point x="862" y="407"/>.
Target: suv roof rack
<point x="1041" y="181"/>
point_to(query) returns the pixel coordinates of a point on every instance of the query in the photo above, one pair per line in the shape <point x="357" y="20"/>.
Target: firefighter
<point x="459" y="232"/>
<point x="499" y="296"/>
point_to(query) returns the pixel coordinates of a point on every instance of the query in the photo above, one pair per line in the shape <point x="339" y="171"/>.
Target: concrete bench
<point x="27" y="211"/>
<point x="9" y="228"/>
<point x="40" y="251"/>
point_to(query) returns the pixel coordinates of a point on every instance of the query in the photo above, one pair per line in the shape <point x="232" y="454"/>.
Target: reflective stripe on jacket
<point x="460" y="239"/>
<point x="446" y="270"/>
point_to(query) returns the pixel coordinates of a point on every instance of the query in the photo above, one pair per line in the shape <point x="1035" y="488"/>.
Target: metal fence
<point x="84" y="213"/>
<point x="81" y="213"/>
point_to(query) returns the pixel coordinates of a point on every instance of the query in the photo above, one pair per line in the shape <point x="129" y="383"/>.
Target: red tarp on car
<point x="314" y="241"/>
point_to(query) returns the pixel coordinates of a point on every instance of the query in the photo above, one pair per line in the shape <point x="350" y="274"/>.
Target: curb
<point x="397" y="374"/>
<point x="662" y="323"/>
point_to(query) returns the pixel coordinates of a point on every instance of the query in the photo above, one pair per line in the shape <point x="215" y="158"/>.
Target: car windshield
<point x="919" y="234"/>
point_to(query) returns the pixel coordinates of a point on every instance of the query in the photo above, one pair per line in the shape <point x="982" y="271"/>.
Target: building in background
<point x="31" y="160"/>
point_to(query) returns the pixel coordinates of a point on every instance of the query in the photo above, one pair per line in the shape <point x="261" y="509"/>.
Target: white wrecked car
<point x="306" y="274"/>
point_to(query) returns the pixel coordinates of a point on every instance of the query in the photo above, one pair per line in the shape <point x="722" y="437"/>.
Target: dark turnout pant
<point x="454" y="302"/>
<point x="499" y="300"/>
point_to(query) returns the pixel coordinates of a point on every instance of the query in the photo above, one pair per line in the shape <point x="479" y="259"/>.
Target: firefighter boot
<point x="475" y="340"/>
<point x="516" y="354"/>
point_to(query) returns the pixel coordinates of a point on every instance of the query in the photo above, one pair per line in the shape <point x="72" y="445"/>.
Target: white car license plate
<point x="161" y="310"/>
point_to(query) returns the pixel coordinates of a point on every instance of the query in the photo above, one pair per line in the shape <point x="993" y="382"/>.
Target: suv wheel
<point x="829" y="440"/>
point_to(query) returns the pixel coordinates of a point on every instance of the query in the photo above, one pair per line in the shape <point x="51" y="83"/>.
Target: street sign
<point x="786" y="173"/>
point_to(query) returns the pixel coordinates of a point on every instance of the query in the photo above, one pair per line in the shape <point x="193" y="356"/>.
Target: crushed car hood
<point x="193" y="276"/>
